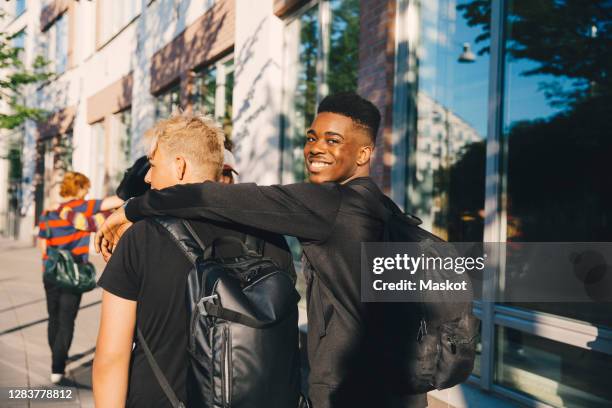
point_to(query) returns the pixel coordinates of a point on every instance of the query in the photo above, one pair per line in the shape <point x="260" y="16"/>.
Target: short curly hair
<point x="73" y="183"/>
<point x="363" y="112"/>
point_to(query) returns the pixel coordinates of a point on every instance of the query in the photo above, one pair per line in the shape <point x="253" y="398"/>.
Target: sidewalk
<point x="25" y="357"/>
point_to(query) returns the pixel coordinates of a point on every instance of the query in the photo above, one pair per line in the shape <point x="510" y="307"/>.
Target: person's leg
<point x="53" y="294"/>
<point x="68" y="307"/>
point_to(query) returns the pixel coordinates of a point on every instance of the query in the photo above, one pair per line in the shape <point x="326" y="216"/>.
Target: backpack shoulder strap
<point x="159" y="375"/>
<point x="184" y="236"/>
<point x="392" y="210"/>
<point x="190" y="244"/>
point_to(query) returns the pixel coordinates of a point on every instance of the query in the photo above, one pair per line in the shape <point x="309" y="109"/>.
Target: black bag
<point x="243" y="340"/>
<point x="62" y="270"/>
<point x="446" y="332"/>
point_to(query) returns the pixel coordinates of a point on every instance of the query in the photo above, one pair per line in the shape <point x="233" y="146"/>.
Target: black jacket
<point x="351" y="345"/>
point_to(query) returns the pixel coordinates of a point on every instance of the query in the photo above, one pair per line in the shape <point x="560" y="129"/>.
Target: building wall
<point x="258" y="91"/>
<point x="163" y="44"/>
<point x="95" y="65"/>
<point x="376" y="62"/>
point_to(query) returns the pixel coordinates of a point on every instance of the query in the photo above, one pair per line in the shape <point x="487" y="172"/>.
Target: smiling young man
<point x="144" y="282"/>
<point x="351" y="345"/>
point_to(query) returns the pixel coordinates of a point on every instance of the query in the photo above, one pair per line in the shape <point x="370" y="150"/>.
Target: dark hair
<point x="360" y="110"/>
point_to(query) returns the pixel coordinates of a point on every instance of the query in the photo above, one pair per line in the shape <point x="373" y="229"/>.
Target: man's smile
<point x="318" y="163"/>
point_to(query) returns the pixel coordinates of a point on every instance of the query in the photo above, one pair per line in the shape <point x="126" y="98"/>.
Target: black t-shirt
<point x="148" y="267"/>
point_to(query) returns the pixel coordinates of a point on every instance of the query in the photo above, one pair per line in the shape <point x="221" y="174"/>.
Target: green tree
<point x="566" y="39"/>
<point x="13" y="80"/>
<point x="344" y="46"/>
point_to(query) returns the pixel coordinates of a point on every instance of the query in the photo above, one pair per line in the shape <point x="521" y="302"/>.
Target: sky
<point x="463" y="87"/>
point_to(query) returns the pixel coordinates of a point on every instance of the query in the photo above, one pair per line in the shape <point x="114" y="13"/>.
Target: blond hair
<point x="197" y="137"/>
<point x="73" y="183"/>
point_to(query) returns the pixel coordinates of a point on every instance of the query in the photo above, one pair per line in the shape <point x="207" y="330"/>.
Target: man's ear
<point x="180" y="167"/>
<point x="364" y="155"/>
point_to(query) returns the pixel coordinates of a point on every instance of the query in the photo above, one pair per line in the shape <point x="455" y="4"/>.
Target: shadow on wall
<point x="256" y="102"/>
<point x="188" y="50"/>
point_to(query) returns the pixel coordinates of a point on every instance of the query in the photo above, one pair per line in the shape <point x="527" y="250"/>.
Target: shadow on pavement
<point x="21" y="305"/>
<point x="35" y="322"/>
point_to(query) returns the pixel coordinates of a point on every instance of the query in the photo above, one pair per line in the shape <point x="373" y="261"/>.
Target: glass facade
<point x="446" y="179"/>
<point x="556" y="132"/>
<point x="322" y="54"/>
<point x="506" y="141"/>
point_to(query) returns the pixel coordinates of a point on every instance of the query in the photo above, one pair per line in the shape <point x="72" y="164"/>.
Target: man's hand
<point x="110" y="232"/>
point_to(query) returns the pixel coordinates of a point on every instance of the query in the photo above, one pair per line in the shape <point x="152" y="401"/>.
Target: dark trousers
<point x="62" y="306"/>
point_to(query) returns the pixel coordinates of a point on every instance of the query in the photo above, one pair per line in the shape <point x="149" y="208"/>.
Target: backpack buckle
<point x="201" y="307"/>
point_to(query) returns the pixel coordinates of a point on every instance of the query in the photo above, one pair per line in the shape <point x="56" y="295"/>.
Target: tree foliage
<point x="14" y="78"/>
<point x="565" y="39"/>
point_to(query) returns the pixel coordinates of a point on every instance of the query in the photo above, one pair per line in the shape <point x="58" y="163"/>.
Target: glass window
<point x="19" y="40"/>
<point x="343" y="46"/>
<point x="98" y="156"/>
<point x="63" y="149"/>
<point x="116" y="14"/>
<point x="553" y="372"/>
<point x="168" y="101"/>
<point x="120" y="149"/>
<point x="558" y="99"/>
<point x="322" y="58"/>
<point x="61" y="43"/>
<point x="56" y="44"/>
<point x="214" y="86"/>
<point x="446" y="180"/>
<point x="20" y="6"/>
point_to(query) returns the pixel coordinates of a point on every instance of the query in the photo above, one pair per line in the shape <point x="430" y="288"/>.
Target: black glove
<point x="133" y="183"/>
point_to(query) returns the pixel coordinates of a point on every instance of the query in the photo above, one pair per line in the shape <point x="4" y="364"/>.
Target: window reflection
<point x="167" y="102"/>
<point x="59" y="32"/>
<point x="320" y="60"/>
<point x="213" y="88"/>
<point x="556" y="373"/>
<point x="451" y="121"/>
<point x="343" y="50"/>
<point x="558" y="100"/>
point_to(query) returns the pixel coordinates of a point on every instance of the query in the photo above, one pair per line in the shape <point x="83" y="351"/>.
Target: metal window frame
<point x="493" y="228"/>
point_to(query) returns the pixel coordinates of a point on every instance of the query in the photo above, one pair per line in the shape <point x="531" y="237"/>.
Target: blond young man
<point x="144" y="282"/>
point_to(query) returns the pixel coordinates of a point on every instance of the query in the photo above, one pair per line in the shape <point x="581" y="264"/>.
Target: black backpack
<point x="444" y="333"/>
<point x="243" y="340"/>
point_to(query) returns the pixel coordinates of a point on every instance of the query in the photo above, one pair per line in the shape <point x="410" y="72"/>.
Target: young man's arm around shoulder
<point x="306" y="211"/>
<point x="113" y="350"/>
